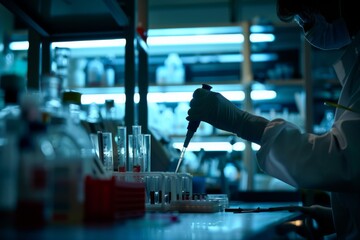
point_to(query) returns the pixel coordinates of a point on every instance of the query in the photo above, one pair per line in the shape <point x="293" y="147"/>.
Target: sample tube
<point x="108" y="151"/>
<point x="122" y="148"/>
<point x="155" y="190"/>
<point x="131" y="152"/>
<point x="136" y="161"/>
<point x="146" y="151"/>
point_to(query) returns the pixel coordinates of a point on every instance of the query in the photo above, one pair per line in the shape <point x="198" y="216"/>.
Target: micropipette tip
<point x="180" y="159"/>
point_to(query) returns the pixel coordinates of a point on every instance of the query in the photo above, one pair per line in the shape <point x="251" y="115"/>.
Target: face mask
<point x="327" y="36"/>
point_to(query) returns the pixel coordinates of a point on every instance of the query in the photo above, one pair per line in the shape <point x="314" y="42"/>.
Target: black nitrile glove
<point x="323" y="216"/>
<point x="215" y="109"/>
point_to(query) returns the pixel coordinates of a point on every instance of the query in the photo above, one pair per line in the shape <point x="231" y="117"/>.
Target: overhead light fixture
<point x="174" y="97"/>
<point x="91" y="44"/>
<point x="255" y="57"/>
<point x="161" y="40"/>
<point x="19" y="46"/>
<point x="208" y="30"/>
<point x="195" y="39"/>
<point x="24" y="45"/>
<point x="100" y="98"/>
<point x="262" y="37"/>
<point x="263" y="94"/>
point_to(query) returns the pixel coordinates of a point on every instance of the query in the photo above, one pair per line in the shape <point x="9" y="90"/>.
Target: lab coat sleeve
<point x="329" y="162"/>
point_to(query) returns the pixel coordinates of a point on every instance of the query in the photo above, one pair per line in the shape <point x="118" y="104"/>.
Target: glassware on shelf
<point x="95" y="72"/>
<point x="50" y="88"/>
<point x="61" y="60"/>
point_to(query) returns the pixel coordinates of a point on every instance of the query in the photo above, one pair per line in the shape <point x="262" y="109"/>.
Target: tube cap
<point x="71" y="97"/>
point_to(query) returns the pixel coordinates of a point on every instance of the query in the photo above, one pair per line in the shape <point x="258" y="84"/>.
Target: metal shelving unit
<point x="57" y="20"/>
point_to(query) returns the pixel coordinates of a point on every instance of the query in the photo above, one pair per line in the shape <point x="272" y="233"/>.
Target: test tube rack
<point x="161" y="188"/>
<point x="170" y="191"/>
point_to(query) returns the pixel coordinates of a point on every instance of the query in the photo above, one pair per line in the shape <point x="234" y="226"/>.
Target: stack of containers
<point x="109" y="199"/>
<point x="124" y="195"/>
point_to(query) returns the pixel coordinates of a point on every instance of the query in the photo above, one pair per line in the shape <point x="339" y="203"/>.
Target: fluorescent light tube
<point x="262" y="37"/>
<point x="19" y="46"/>
<point x="195" y="39"/>
<point x="100" y="98"/>
<point x="156" y="41"/>
<point x="91" y="44"/>
<point x="173" y="97"/>
<point x="263" y="94"/>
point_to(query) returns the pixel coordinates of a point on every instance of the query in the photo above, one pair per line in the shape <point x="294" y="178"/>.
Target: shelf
<point x="285" y="82"/>
<point x="62" y="20"/>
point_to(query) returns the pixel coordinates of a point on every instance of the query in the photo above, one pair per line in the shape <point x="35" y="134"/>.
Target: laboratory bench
<point x="175" y="225"/>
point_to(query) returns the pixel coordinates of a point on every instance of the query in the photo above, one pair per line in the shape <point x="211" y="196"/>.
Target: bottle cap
<point x="71" y="97"/>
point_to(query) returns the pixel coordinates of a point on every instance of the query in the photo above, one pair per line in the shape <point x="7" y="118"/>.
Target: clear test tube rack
<point x="161" y="188"/>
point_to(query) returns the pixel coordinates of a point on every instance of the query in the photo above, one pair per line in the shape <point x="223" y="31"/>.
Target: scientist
<point x="329" y="162"/>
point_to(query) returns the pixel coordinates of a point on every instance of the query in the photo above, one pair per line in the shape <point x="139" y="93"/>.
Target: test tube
<point x="122" y="148"/>
<point x="146" y="151"/>
<point x="148" y="189"/>
<point x="107" y="151"/>
<point x="136" y="129"/>
<point x="185" y="188"/>
<point x="131" y="152"/>
<point x="136" y="161"/>
<point x="155" y="192"/>
<point x="167" y="189"/>
<point x="95" y="143"/>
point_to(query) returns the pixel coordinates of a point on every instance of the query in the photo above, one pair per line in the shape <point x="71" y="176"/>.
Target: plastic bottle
<point x="51" y="93"/>
<point x="8" y="172"/>
<point x="71" y="101"/>
<point x="34" y="194"/>
<point x="11" y="126"/>
<point x="95" y="72"/>
<point x="74" y="155"/>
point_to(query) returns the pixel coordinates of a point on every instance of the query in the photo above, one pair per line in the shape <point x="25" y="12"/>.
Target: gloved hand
<point x="307" y="228"/>
<point x="215" y="109"/>
<point x="323" y="216"/>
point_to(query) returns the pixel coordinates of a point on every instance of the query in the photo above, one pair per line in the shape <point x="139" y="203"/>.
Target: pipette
<point x="336" y="105"/>
<point x="191" y="129"/>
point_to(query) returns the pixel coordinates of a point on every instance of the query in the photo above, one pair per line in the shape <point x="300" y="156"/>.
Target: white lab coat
<point x="328" y="162"/>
